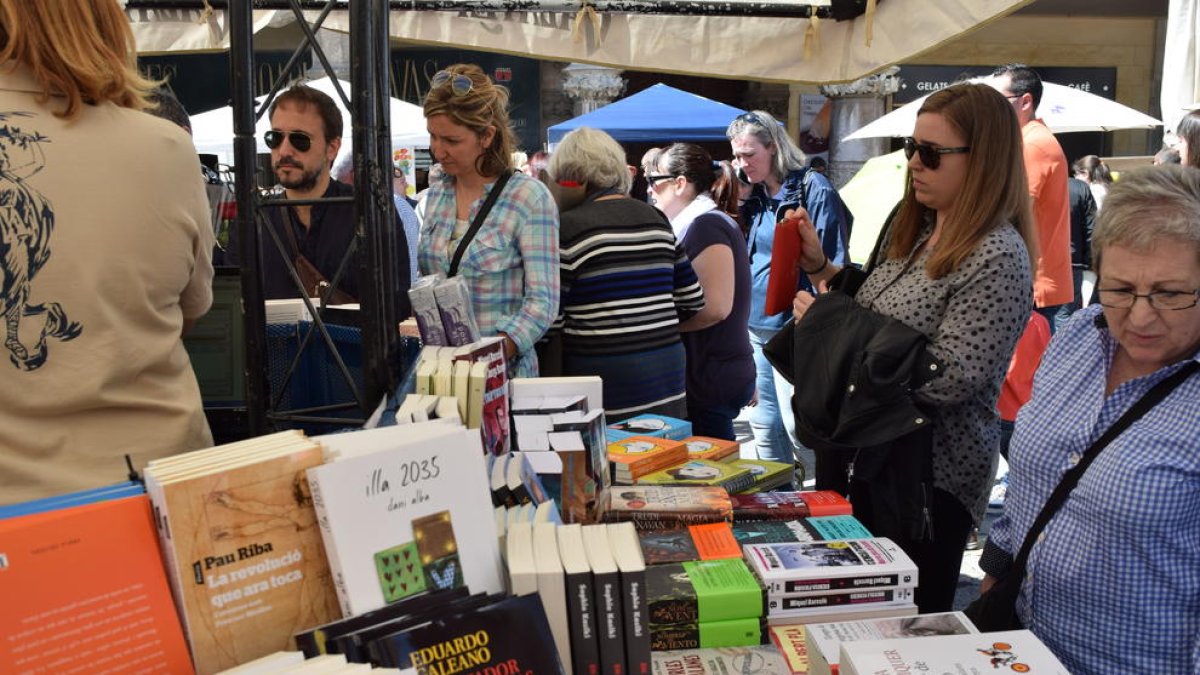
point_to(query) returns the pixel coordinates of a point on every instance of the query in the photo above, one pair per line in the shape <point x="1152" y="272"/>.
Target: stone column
<point x="854" y="105"/>
<point x="592" y="86"/>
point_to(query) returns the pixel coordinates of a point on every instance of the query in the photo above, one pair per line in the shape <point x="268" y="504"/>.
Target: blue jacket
<point x="761" y="211"/>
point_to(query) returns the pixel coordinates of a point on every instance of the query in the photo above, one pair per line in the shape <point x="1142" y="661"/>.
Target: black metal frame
<point x="373" y="211"/>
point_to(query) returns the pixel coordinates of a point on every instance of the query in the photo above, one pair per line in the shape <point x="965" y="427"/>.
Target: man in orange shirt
<point x="1047" y="171"/>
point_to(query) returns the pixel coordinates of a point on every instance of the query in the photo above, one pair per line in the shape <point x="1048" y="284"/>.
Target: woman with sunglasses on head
<point x="782" y="182"/>
<point x="626" y="283"/>
<point x="954" y="266"/>
<point x="510" y="263"/>
<point x="698" y="195"/>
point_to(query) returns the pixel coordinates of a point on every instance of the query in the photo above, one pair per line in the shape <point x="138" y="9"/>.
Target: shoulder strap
<point x="497" y="188"/>
<point x="1069" y="480"/>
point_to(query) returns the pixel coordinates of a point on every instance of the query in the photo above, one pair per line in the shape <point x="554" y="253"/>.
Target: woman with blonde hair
<point x="103" y="270"/>
<point x="509" y="258"/>
<point x="955" y="268"/>
<point x="626" y="284"/>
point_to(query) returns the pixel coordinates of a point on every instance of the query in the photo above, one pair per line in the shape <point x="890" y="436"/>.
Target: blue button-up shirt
<point x="1113" y="583"/>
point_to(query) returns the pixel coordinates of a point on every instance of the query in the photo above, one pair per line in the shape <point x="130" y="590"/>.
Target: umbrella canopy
<point x="212" y="131"/>
<point x="1063" y="109"/>
<point x="871" y="195"/>
<point x="657" y="114"/>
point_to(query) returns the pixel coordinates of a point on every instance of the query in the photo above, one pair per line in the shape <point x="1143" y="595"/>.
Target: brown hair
<point x="486" y="105"/>
<point x="80" y="49"/>
<point x="994" y="191"/>
<point x="302" y="96"/>
<point x="695" y="164"/>
<point x="1189" y="130"/>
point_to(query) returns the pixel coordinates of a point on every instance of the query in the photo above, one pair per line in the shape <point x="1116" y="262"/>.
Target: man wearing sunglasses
<point x="1046" y="170"/>
<point x="305" y="136"/>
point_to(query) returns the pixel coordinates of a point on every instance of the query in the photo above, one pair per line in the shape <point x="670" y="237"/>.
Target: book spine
<point x="739" y="483"/>
<point x="631" y="471"/>
<point x="636" y="615"/>
<point x="609" y="634"/>
<point x="328" y="538"/>
<point x="783" y="603"/>
<point x="748" y="514"/>
<point x="581" y="618"/>
<point x="833" y="584"/>
<point x="662" y="520"/>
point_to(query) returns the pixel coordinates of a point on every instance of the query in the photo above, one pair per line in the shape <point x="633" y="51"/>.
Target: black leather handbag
<point x="997" y="609"/>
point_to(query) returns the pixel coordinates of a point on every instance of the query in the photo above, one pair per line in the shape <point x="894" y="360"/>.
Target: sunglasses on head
<point x="459" y="84"/>
<point x="930" y="156"/>
<point x="299" y="140"/>
<point x="750" y="118"/>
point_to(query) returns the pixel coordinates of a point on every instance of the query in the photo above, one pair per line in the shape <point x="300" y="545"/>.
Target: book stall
<point x="476" y="525"/>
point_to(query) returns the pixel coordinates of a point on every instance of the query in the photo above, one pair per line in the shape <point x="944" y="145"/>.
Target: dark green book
<point x="702" y="590"/>
<point x="704" y="634"/>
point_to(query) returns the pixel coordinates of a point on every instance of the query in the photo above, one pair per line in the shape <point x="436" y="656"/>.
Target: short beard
<point x="307" y="181"/>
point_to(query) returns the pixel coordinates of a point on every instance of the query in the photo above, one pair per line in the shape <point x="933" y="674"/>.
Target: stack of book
<point x="823" y="641"/>
<point x="636" y="456"/>
<point x="805" y="581"/>
<point x="652" y="507"/>
<point x="704" y="603"/>
<point x="475" y="376"/>
<point x="1018" y="651"/>
<point x="443" y="311"/>
<point x="658" y="459"/>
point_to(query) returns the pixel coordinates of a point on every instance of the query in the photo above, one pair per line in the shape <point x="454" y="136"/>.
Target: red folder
<point x="785" y="267"/>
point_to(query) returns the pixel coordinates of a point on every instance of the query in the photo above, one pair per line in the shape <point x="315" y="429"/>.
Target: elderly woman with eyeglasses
<point x="954" y="266"/>
<point x="1113" y="580"/>
<point x="510" y="263"/>
<point x="770" y="160"/>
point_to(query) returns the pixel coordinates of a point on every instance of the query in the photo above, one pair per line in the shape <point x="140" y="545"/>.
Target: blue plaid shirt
<point x="511" y="266"/>
<point x="1113" y="582"/>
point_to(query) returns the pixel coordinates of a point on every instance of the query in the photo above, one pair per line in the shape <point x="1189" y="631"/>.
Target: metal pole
<point x="241" y="69"/>
<point x="378" y="274"/>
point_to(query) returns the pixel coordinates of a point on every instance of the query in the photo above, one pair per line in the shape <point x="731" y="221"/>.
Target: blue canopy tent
<point x="660" y="114"/>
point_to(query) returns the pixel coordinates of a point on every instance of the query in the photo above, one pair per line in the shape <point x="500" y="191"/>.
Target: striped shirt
<point x="510" y="266"/>
<point x="626" y="285"/>
<point x="1113" y="582"/>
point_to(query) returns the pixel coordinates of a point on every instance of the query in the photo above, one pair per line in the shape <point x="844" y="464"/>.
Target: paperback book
<point x="652" y="507"/>
<point x="789" y="505"/>
<point x="661" y="426"/>
<point x="1018" y="651"/>
<point x="819" y="528"/>
<point x="712" y="449"/>
<point x="767" y="475"/>
<point x="699" y="635"/>
<point x="752" y="660"/>
<point x="728" y="476"/>
<point x="831" y="566"/>
<point x="823" y="640"/>
<point x="638" y="456"/>
<point x="706" y="541"/>
<point x="704" y="590"/>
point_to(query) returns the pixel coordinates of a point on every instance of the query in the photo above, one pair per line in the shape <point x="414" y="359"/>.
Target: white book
<point x="443" y="378"/>
<point x="1011" y="651"/>
<point x="476" y="387"/>
<point x="522" y="572"/>
<point x="461" y="386"/>
<point x="833" y="566"/>
<point x="547" y="512"/>
<point x="414" y="517"/>
<point x="805" y="604"/>
<point x="425" y="372"/>
<point x="590" y="386"/>
<point x="852" y="613"/>
<point x="824" y="640"/>
<point x="267" y="665"/>
<point x="551" y="586"/>
<point x="446" y="409"/>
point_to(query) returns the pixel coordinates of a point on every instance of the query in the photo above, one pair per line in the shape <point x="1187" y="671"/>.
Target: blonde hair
<point x="591" y="158"/>
<point x="486" y="105"/>
<point x="994" y="190"/>
<point x="80" y="49"/>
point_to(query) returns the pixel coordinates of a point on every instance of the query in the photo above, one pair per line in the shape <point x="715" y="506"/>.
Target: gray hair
<point x="591" y="158"/>
<point x="1147" y="206"/>
<point x="770" y="134"/>
<point x="343" y="168"/>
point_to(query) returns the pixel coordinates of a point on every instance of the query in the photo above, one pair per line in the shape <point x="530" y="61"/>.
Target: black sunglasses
<point x="299" y="140"/>
<point x="931" y="156"/>
<point x="652" y="178"/>
<point x="750" y="118"/>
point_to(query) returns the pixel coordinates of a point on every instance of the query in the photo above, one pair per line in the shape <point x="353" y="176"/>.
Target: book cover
<point x="637" y="456"/>
<point x="790" y="641"/>
<point x="81" y="498"/>
<point x="823" y="640"/>
<point x="610" y="633"/>
<point x="789" y="505"/>
<point x="831" y="565"/>
<point x="703" y="590"/>
<point x="823" y="528"/>
<point x="425" y="309"/>
<point x="551" y="585"/>
<point x="411" y="518"/>
<point x="707" y="634"/>
<point x="508" y="636"/>
<point x="624" y="541"/>
<point x="1018" y="651"/>
<point x="798" y="603"/>
<point x="767" y="475"/>
<point x="84" y="590"/>
<point x="661" y="426"/>
<point x="581" y="611"/>
<point x="322" y="639"/>
<point x="454" y="306"/>
<point x="752" y="660"/>
<point x="363" y="646"/>
<point x="652" y="507"/>
<point x="569" y="480"/>
<point x="728" y="476"/>
<point x="706" y="541"/>
<point x="712" y="449"/>
<point x="247" y="562"/>
<point x="785" y="268"/>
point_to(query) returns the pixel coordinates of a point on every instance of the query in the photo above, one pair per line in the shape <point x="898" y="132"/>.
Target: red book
<point x="785" y="267"/>
<point x="789" y="505"/>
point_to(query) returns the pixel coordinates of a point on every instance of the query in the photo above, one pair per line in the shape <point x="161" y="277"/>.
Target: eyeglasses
<point x="1117" y="298"/>
<point x="931" y="156"/>
<point x="299" y="140"/>
<point x="459" y="84"/>
<point x="652" y="179"/>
